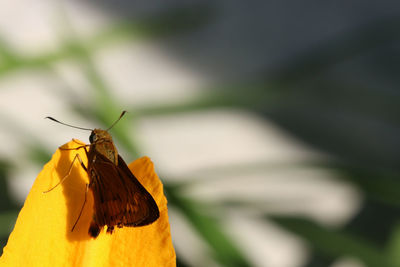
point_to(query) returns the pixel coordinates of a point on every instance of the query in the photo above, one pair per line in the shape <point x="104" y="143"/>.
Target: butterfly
<point x="119" y="198"/>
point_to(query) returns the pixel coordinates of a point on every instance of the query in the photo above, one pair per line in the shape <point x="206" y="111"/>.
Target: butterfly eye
<point x="92" y="137"/>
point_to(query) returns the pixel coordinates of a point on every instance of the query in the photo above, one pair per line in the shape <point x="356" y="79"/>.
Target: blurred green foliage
<point x="8" y="209"/>
<point x="290" y="98"/>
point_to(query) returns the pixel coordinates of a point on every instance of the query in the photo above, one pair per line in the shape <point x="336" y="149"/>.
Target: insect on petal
<point x="42" y="234"/>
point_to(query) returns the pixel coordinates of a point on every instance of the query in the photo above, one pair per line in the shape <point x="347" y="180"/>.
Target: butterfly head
<point x="101" y="142"/>
<point x="98" y="134"/>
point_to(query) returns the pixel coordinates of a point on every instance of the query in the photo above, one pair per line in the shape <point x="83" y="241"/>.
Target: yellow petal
<point x="42" y="234"/>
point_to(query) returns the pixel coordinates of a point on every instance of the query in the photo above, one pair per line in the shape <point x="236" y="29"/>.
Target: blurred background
<point x="274" y="125"/>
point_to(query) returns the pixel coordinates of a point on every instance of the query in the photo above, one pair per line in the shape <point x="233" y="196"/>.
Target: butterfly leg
<point x="74" y="148"/>
<point x="80" y="213"/>
<point x="69" y="172"/>
<point x="78" y="142"/>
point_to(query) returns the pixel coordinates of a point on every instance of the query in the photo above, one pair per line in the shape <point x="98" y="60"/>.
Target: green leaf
<point x="7" y="220"/>
<point x="209" y="229"/>
<point x="394" y="245"/>
<point x="334" y="243"/>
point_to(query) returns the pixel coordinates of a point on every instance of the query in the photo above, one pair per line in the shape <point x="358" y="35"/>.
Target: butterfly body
<point x="119" y="198"/>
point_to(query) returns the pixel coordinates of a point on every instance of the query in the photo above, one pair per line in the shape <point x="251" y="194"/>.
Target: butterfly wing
<point x="119" y="198"/>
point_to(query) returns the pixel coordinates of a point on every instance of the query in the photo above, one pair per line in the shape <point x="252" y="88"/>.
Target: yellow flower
<point x="42" y="234"/>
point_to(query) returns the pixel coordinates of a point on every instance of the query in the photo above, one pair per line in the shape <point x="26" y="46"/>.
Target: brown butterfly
<point x="119" y="198"/>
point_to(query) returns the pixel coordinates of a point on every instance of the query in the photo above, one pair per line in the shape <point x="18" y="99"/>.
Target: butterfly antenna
<point x="69" y="125"/>
<point x="120" y="116"/>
